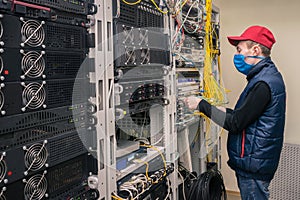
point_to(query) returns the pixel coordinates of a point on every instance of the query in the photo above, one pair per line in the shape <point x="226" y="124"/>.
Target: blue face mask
<point x="241" y="65"/>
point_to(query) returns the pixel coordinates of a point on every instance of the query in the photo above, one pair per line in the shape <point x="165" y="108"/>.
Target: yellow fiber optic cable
<point x="147" y="166"/>
<point x="132" y="4"/>
<point x="162" y="156"/>
<point x="157" y="7"/>
<point x="117" y="198"/>
<point x="213" y="91"/>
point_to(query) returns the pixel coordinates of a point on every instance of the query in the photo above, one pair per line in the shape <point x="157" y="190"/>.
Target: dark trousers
<point x="252" y="189"/>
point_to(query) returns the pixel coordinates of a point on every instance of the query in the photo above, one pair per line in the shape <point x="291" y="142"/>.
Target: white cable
<point x="130" y="193"/>
<point x="183" y="23"/>
<point x="194" y="22"/>
<point x="185" y="121"/>
<point x="160" y="139"/>
<point x="142" y="139"/>
<point x="183" y="190"/>
<point x="142" y="129"/>
<point x="195" y="177"/>
<point x="118" y="9"/>
<point x="168" y="185"/>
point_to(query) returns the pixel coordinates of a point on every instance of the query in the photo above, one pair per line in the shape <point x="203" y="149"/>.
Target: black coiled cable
<point x="208" y="186"/>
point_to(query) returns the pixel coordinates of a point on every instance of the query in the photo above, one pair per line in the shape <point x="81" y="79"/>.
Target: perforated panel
<point x="286" y="183"/>
<point x="68" y="173"/>
<point x="61" y="37"/>
<point x="64" y="63"/>
<point x="35" y="134"/>
<point x="69" y="6"/>
<point x="141" y="15"/>
<point x="148" y="19"/>
<point x="135" y="126"/>
<point x="66" y="147"/>
<point x="62" y="92"/>
<point x="30" y="120"/>
<point x="127" y="15"/>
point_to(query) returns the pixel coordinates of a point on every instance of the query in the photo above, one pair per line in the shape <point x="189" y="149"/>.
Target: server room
<point x="149" y="100"/>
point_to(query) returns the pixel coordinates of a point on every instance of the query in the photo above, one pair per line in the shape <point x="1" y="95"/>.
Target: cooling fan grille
<point x="1" y="64"/>
<point x="145" y="56"/>
<point x="33" y="33"/>
<point x="33" y="64"/>
<point x="1" y="29"/>
<point x="128" y="35"/>
<point x="33" y="95"/>
<point x="36" y="187"/>
<point x="3" y="168"/>
<point x="143" y="37"/>
<point x="35" y="157"/>
<point x="130" y="56"/>
<point x="1" y="99"/>
<point x="2" y="197"/>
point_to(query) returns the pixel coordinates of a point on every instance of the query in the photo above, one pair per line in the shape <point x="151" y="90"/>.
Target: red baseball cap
<point x="258" y="34"/>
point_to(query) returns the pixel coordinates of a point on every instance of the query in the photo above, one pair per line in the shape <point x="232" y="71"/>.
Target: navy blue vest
<point x="255" y="153"/>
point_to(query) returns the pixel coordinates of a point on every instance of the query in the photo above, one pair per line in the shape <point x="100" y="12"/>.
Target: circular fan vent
<point x="1" y="29"/>
<point x="36" y="157"/>
<point x="1" y="64"/>
<point x="33" y="64"/>
<point x="143" y="37"/>
<point x="35" y="188"/>
<point x="3" y="169"/>
<point x="128" y="35"/>
<point x="1" y="100"/>
<point x="145" y="56"/>
<point x="130" y="56"/>
<point x="33" y="95"/>
<point x="33" y="33"/>
<point x="2" y="197"/>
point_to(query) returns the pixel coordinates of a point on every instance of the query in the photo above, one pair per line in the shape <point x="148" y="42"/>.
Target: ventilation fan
<point x="32" y="33"/>
<point x="33" y="64"/>
<point x="143" y="37"/>
<point x="1" y="68"/>
<point x="128" y="35"/>
<point x="2" y="197"/>
<point x="1" y="100"/>
<point x="3" y="168"/>
<point x="36" y="187"/>
<point x="145" y="56"/>
<point x="1" y="27"/>
<point x="33" y="95"/>
<point x="130" y="56"/>
<point x="35" y="157"/>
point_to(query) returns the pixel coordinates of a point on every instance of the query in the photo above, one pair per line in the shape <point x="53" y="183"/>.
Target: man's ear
<point x="256" y="50"/>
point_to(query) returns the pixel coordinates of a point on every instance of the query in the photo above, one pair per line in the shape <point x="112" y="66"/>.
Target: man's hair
<point x="264" y="50"/>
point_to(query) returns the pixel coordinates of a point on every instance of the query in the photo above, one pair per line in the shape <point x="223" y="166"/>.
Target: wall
<point x="282" y="18"/>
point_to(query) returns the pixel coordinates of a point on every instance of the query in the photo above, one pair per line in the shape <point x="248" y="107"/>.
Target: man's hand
<point x="192" y="102"/>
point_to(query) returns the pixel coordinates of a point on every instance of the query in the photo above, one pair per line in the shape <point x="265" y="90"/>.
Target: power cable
<point x="208" y="186"/>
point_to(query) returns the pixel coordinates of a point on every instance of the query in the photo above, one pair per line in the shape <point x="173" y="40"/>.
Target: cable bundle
<point x="208" y="186"/>
<point x="214" y="92"/>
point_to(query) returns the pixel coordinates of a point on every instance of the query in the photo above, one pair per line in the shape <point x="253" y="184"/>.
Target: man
<point x="256" y="124"/>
